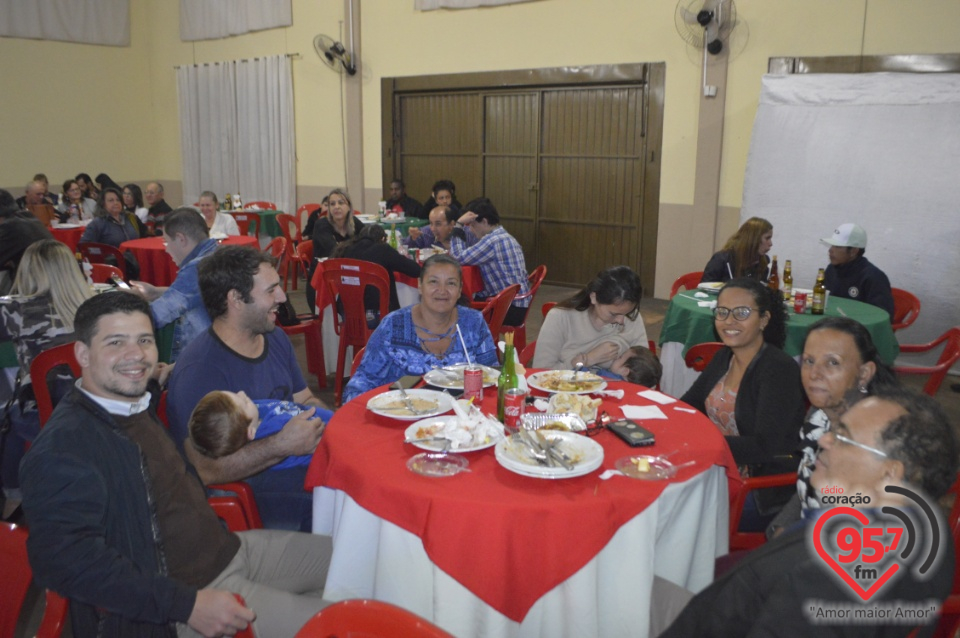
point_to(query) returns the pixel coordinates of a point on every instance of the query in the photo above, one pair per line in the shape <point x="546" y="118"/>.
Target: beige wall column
<point x="706" y="195"/>
<point x="353" y="106"/>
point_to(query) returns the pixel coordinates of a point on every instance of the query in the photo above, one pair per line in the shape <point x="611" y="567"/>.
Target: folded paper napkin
<point x="616" y="394"/>
<point x="701" y="295"/>
<point x="641" y="412"/>
<point x="707" y="304"/>
<point x="657" y="397"/>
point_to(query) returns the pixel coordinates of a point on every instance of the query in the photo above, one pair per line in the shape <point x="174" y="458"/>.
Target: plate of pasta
<point x="425" y="403"/>
<point x="566" y="381"/>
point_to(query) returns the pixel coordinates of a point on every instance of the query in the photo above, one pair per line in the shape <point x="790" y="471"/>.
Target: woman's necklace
<point x="437" y="336"/>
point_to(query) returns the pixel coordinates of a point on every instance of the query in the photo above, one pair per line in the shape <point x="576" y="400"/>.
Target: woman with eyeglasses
<point x="751" y="389"/>
<point x="744" y="254"/>
<point x="595" y="327"/>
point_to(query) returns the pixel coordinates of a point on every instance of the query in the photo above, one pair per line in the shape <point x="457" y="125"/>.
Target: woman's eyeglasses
<point x="740" y="313"/>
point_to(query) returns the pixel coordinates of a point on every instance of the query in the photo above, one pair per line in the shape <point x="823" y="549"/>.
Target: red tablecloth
<point x="68" y="236"/>
<point x="156" y="267"/>
<point x="472" y="283"/>
<point x="507" y="538"/>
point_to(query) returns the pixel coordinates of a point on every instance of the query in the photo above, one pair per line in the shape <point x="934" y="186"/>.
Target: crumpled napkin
<point x="701" y="295"/>
<point x="707" y="304"/>
<point x="541" y="404"/>
<point x="616" y="394"/>
<point x="641" y="412"/>
<point x="657" y="397"/>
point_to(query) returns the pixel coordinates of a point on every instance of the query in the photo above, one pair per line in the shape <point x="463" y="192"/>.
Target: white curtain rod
<point x="289" y="55"/>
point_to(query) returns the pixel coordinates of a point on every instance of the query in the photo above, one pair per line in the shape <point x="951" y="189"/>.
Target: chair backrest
<point x="906" y="308"/>
<point x="260" y="205"/>
<point x="938" y="372"/>
<point x="229" y="509"/>
<point x="347" y="279"/>
<point x="103" y="254"/>
<point x="526" y="356"/>
<point x="305" y="253"/>
<point x="688" y="281"/>
<point x="700" y="355"/>
<point x="304" y="212"/>
<point x="533" y="282"/>
<point x="369" y="618"/>
<point x="357" y="358"/>
<point x="277" y="249"/>
<point x="547" y="307"/>
<point x="15" y="583"/>
<point x="497" y="307"/>
<point x="245" y="221"/>
<point x="102" y="273"/>
<point x="41" y="366"/>
<point x="290" y="228"/>
<point x="243" y="494"/>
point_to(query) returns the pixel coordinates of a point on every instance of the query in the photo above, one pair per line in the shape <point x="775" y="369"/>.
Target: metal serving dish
<point x="541" y="420"/>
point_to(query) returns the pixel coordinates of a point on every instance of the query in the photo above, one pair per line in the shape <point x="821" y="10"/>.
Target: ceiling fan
<point x="333" y="54"/>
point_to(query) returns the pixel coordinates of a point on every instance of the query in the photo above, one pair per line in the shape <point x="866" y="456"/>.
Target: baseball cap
<point x="849" y="235"/>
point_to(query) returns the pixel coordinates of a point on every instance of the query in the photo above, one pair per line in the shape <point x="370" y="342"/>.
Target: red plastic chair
<point x="347" y="279"/>
<point x="700" y="355"/>
<point x="520" y="332"/>
<point x="370" y="619"/>
<point x="260" y="205"/>
<point x="278" y="250"/>
<point x="547" y="307"/>
<point x="526" y="355"/>
<point x="303" y="213"/>
<point x="906" y="308"/>
<point x="229" y="510"/>
<point x="688" y="281"/>
<point x="748" y="540"/>
<point x="291" y="232"/>
<point x="245" y="221"/>
<point x="103" y="254"/>
<point x="15" y="584"/>
<point x="310" y="327"/>
<point x="102" y="273"/>
<point x="304" y="252"/>
<point x="948" y="358"/>
<point x="496" y="308"/>
<point x="243" y="494"/>
<point x="41" y="366"/>
<point x="357" y="358"/>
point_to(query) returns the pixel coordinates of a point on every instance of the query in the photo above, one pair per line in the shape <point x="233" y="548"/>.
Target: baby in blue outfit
<point x="223" y="422"/>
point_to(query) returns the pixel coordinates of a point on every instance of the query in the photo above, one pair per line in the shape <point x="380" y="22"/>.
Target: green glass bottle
<point x="508" y="375"/>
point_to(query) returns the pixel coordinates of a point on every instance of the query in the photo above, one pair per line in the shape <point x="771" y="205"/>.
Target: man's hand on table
<point x="218" y="613"/>
<point x="145" y="290"/>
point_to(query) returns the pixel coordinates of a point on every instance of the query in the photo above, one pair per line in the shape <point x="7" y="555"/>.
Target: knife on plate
<point x="550" y="447"/>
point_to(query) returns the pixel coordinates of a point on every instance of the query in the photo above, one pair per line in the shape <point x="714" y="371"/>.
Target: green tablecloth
<point x="268" y="221"/>
<point x="688" y="323"/>
<point x="8" y="355"/>
<point x="405" y="226"/>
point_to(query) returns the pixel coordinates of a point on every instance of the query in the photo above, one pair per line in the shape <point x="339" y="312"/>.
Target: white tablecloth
<point x="677" y="377"/>
<point x="677" y="538"/>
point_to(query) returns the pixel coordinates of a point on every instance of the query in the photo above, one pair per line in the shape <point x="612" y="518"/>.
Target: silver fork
<point x="406" y="399"/>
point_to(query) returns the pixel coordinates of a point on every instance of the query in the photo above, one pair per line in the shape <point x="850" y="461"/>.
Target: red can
<point x="514" y="401"/>
<point x="799" y="302"/>
<point x="473" y="383"/>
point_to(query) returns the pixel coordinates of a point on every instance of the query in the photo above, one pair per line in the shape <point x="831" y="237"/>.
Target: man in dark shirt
<point x="850" y="275"/>
<point x="401" y="202"/>
<point x="119" y="521"/>
<point x="158" y="208"/>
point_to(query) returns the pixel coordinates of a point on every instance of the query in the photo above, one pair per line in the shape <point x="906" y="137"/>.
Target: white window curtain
<point x="207" y="19"/>
<point x="877" y="149"/>
<point x="429" y="5"/>
<point x="87" y="21"/>
<point x="237" y="130"/>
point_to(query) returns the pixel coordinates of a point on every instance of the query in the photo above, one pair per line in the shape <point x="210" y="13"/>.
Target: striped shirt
<point x="500" y="259"/>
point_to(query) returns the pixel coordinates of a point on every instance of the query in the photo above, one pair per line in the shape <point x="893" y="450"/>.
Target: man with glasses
<point x="443" y="220"/>
<point x="895" y="438"/>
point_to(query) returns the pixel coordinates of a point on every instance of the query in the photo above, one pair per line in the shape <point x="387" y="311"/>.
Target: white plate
<point x="435" y="446"/>
<point x="452" y="376"/>
<point x="658" y="469"/>
<point x="442" y="401"/>
<point x="65" y="226"/>
<point x="539" y="380"/>
<point x="586" y="454"/>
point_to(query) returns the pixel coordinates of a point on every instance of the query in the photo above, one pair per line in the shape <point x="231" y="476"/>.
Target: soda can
<point x="799" y="302"/>
<point x="473" y="383"/>
<point x="514" y="401"/>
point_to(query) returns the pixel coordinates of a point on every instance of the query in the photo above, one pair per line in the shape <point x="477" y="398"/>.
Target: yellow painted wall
<point x="67" y="108"/>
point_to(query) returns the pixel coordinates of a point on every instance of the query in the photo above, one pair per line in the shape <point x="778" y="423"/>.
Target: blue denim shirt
<point x="182" y="302"/>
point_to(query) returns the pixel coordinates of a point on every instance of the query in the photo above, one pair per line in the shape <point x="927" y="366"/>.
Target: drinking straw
<point x="464" y="345"/>
<point x="729" y="270"/>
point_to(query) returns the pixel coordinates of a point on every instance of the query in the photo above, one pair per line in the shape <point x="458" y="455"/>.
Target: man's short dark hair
<point x="922" y="439"/>
<point x="398" y="182"/>
<point x="451" y="215"/>
<point x="108" y="303"/>
<point x="187" y="220"/>
<point x="229" y="268"/>
<point x="445" y="185"/>
<point x="484" y="209"/>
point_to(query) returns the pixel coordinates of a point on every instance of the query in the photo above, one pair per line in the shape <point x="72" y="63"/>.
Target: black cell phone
<point x="633" y="434"/>
<point x="119" y="283"/>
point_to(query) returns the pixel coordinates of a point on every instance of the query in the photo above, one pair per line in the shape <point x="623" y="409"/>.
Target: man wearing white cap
<point x="850" y="275"/>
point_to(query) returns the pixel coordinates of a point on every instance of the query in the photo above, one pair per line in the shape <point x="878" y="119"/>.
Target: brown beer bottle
<point x="787" y="282"/>
<point x="774" y="281"/>
<point x="819" y="295"/>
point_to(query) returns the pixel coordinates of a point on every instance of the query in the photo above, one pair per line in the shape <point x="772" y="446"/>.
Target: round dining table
<point x="269" y="226"/>
<point x="156" y="266"/>
<point x="689" y="321"/>
<point x="68" y="234"/>
<point x="493" y="553"/>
